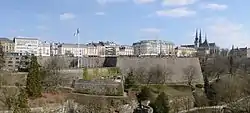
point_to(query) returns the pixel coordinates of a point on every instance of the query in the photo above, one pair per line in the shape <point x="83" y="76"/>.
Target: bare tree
<point x="240" y="107"/>
<point x="190" y="74"/>
<point x="51" y="76"/>
<point x="7" y="96"/>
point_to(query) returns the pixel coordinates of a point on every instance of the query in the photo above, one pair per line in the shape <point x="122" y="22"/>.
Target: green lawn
<point x="97" y="73"/>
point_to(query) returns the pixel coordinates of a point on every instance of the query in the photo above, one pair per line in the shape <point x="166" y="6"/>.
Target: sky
<point x="225" y="22"/>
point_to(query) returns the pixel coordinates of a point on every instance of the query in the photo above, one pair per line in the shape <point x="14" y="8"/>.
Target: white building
<point x="185" y="51"/>
<point x="44" y="49"/>
<point x="153" y="47"/>
<point x="26" y="45"/>
<point x="54" y="49"/>
<point x="111" y="48"/>
<point x="126" y="50"/>
<point x="72" y="50"/>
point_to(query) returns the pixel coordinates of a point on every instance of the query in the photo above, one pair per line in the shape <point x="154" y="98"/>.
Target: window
<point x="17" y="62"/>
<point x="10" y="62"/>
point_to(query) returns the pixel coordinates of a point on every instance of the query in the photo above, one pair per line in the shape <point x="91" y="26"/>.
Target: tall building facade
<point x="126" y="50"/>
<point x="153" y="47"/>
<point x="72" y="50"/>
<point x="26" y="45"/>
<point x="44" y="49"/>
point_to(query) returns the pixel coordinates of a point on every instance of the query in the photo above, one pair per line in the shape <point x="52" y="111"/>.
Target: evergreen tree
<point x="1" y="57"/>
<point x="145" y="94"/>
<point x="22" y="103"/>
<point x="161" y="104"/>
<point x="34" y="85"/>
<point x="130" y="80"/>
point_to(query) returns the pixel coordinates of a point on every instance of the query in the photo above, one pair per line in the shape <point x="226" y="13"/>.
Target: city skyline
<point x="127" y="21"/>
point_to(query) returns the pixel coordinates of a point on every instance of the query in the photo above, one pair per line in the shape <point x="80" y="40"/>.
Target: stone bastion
<point x="176" y="65"/>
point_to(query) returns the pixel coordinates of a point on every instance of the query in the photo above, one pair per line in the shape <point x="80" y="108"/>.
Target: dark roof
<point x="25" y="38"/>
<point x="204" y="44"/>
<point x="192" y="46"/>
<point x="212" y="44"/>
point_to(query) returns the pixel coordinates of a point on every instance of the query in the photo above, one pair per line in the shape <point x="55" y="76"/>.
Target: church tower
<point x="196" y="39"/>
<point x="200" y="39"/>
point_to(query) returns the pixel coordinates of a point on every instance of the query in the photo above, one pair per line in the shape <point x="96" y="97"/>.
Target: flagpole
<point x="78" y="60"/>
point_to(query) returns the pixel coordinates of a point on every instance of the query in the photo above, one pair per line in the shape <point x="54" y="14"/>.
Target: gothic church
<point x="203" y="48"/>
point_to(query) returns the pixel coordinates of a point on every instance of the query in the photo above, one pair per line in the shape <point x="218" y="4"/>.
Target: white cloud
<point x="177" y="12"/>
<point x="150" y="30"/>
<point x="103" y="2"/>
<point x="100" y="13"/>
<point x="143" y="1"/>
<point x="227" y="33"/>
<point x="67" y="16"/>
<point x="216" y="6"/>
<point x="178" y="2"/>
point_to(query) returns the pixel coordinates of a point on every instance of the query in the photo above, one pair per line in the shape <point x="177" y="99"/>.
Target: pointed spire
<point x="196" y="38"/>
<point x="205" y="36"/>
<point x="200" y="40"/>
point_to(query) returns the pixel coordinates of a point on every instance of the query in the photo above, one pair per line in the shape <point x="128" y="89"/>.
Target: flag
<point x="77" y="32"/>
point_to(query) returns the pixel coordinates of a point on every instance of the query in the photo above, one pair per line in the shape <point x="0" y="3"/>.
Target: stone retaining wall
<point x="99" y="87"/>
<point x="176" y="65"/>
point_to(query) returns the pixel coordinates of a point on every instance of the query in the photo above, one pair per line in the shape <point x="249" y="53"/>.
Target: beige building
<point x="7" y="45"/>
<point x="153" y="47"/>
<point x="185" y="51"/>
<point x="126" y="50"/>
<point x="44" y="49"/>
<point x="72" y="50"/>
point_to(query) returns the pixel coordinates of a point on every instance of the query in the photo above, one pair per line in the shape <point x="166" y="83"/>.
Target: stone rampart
<point x="99" y="87"/>
<point x="175" y="65"/>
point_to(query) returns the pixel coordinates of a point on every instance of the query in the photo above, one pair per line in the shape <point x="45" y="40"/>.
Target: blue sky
<point x="226" y="22"/>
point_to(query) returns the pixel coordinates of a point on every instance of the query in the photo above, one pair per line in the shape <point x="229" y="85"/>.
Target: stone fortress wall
<point x="176" y="65"/>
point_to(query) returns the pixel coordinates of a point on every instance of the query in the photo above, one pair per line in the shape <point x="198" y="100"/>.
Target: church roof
<point x="212" y="44"/>
<point x="191" y="46"/>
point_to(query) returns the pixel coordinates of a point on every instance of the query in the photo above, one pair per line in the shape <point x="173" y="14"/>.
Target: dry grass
<point x="48" y="98"/>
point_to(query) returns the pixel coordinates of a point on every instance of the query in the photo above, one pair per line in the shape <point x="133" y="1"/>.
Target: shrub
<point x="85" y="74"/>
<point x="199" y="86"/>
<point x="161" y="104"/>
<point x="145" y="94"/>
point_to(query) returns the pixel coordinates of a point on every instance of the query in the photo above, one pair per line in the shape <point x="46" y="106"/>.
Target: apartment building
<point x="7" y="45"/>
<point x="11" y="61"/>
<point x="26" y="46"/>
<point x="185" y="51"/>
<point x="126" y="50"/>
<point x="44" y="49"/>
<point x="54" y="49"/>
<point x="111" y="48"/>
<point x="153" y="47"/>
<point x="96" y="49"/>
<point x="72" y="50"/>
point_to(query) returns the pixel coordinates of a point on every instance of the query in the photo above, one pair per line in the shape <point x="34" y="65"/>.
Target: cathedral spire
<point x="196" y="38"/>
<point x="200" y="40"/>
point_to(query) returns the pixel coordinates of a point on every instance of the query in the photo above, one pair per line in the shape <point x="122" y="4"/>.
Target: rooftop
<point x="25" y="38"/>
<point x="72" y="45"/>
